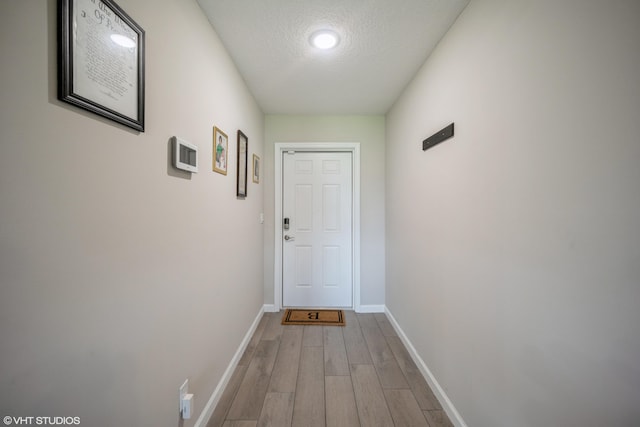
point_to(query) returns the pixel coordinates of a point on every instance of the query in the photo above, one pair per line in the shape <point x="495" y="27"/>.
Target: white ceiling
<point x="383" y="44"/>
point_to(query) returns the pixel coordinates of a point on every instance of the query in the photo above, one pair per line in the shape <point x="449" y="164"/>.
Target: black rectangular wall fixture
<point x="438" y="137"/>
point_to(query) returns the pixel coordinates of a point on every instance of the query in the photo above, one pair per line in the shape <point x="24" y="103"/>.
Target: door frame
<point x="319" y="147"/>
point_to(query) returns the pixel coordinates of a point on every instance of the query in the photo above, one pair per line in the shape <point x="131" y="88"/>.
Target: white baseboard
<point x="206" y="413"/>
<point x="370" y="309"/>
<point x="270" y="308"/>
<point x="442" y="397"/>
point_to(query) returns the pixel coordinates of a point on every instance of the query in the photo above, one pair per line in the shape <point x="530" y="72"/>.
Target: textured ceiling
<point x="383" y="43"/>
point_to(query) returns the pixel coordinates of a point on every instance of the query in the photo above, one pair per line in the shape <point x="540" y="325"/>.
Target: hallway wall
<point x="369" y="131"/>
<point x="513" y="249"/>
<point x="118" y="274"/>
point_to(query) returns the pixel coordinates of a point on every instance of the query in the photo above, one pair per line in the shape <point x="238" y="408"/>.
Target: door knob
<point x="288" y="238"/>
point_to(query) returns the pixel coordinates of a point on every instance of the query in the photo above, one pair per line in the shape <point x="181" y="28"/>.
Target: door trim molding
<point x="349" y="147"/>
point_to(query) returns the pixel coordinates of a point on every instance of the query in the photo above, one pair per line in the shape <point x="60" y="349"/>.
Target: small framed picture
<point x="220" y="151"/>
<point x="256" y="169"/>
<point x="241" y="181"/>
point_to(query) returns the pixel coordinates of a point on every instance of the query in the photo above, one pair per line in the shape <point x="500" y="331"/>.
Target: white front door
<point x="317" y="203"/>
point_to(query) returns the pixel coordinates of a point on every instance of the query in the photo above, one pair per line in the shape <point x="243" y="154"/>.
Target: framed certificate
<point x="101" y="60"/>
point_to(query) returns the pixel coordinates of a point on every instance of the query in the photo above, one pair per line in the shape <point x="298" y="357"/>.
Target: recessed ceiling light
<point x="324" y="39"/>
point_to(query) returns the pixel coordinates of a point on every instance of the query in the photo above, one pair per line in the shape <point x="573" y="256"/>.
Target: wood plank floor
<point x="327" y="376"/>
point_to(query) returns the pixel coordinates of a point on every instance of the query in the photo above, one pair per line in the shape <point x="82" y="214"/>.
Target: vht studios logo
<point x="41" y="421"/>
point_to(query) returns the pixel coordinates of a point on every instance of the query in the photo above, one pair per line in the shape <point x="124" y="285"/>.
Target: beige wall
<point x="513" y="250"/>
<point x="119" y="277"/>
<point x="369" y="132"/>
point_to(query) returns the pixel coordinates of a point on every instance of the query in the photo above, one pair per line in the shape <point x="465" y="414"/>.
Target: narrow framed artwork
<point x="243" y="145"/>
<point x="101" y="60"/>
<point x="256" y="169"/>
<point x="220" y="151"/>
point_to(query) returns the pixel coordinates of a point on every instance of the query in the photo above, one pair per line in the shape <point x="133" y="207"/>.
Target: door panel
<point x="317" y="249"/>
<point x="303" y="208"/>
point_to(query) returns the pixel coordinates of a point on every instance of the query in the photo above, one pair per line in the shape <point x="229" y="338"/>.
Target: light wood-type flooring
<point x="307" y="376"/>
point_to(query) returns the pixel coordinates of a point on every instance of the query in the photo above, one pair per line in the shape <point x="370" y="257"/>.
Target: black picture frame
<point x="101" y="60"/>
<point x="243" y="150"/>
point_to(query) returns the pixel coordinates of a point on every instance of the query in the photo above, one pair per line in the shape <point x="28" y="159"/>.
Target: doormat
<point x="296" y="316"/>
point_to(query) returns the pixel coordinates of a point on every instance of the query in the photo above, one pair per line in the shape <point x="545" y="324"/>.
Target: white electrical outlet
<point x="184" y="390"/>
<point x="187" y="406"/>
